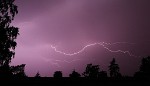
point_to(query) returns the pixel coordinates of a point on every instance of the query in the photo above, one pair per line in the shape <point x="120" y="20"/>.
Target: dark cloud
<point x="72" y="24"/>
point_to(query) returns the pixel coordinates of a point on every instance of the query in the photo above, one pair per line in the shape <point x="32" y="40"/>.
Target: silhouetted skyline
<point x="69" y="25"/>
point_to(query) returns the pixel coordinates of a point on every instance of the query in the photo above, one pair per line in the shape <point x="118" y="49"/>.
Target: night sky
<point x="71" y="25"/>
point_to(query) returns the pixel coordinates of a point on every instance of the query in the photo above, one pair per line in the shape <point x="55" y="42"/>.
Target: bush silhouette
<point x="37" y="75"/>
<point x="74" y="74"/>
<point x="18" y="71"/>
<point x="57" y="74"/>
<point x="92" y="71"/>
<point x="102" y="74"/>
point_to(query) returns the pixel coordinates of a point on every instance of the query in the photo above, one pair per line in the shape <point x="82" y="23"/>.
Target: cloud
<point x="72" y="24"/>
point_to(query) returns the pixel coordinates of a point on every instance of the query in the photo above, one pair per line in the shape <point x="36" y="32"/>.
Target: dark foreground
<point x="77" y="82"/>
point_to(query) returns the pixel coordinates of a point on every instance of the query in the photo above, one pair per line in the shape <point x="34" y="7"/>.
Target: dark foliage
<point x="37" y="75"/>
<point x="144" y="71"/>
<point x="74" y="74"/>
<point x="57" y="74"/>
<point x="8" y="35"/>
<point x="102" y="74"/>
<point x="114" y="69"/>
<point x="18" y="71"/>
<point x="92" y="71"/>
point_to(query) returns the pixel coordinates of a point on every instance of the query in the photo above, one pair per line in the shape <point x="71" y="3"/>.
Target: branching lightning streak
<point x="71" y="54"/>
<point x="103" y="44"/>
<point x="93" y="44"/>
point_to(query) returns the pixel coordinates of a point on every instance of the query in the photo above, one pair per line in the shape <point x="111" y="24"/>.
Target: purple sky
<point x="70" y="25"/>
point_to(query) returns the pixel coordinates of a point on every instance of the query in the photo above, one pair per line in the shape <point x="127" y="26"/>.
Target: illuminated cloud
<point x="72" y="24"/>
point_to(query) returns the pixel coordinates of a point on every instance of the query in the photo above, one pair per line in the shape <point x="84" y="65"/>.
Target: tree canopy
<point x="114" y="69"/>
<point x="8" y="33"/>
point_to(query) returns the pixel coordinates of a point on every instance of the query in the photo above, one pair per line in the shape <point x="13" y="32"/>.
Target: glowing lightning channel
<point x="101" y="44"/>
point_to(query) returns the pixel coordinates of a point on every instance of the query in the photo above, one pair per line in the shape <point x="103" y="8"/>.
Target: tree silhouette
<point x="114" y="69"/>
<point x="57" y="74"/>
<point x="8" y="35"/>
<point x="18" y="71"/>
<point x="144" y="68"/>
<point x="74" y="74"/>
<point x="92" y="71"/>
<point x="102" y="74"/>
<point x="37" y="75"/>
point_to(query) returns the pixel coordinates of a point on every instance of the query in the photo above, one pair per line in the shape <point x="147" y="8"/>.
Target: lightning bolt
<point x="93" y="44"/>
<point x="103" y="44"/>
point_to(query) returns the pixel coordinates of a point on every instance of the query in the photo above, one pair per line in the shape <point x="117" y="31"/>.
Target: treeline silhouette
<point x="91" y="74"/>
<point x="91" y="71"/>
<point x="94" y="72"/>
